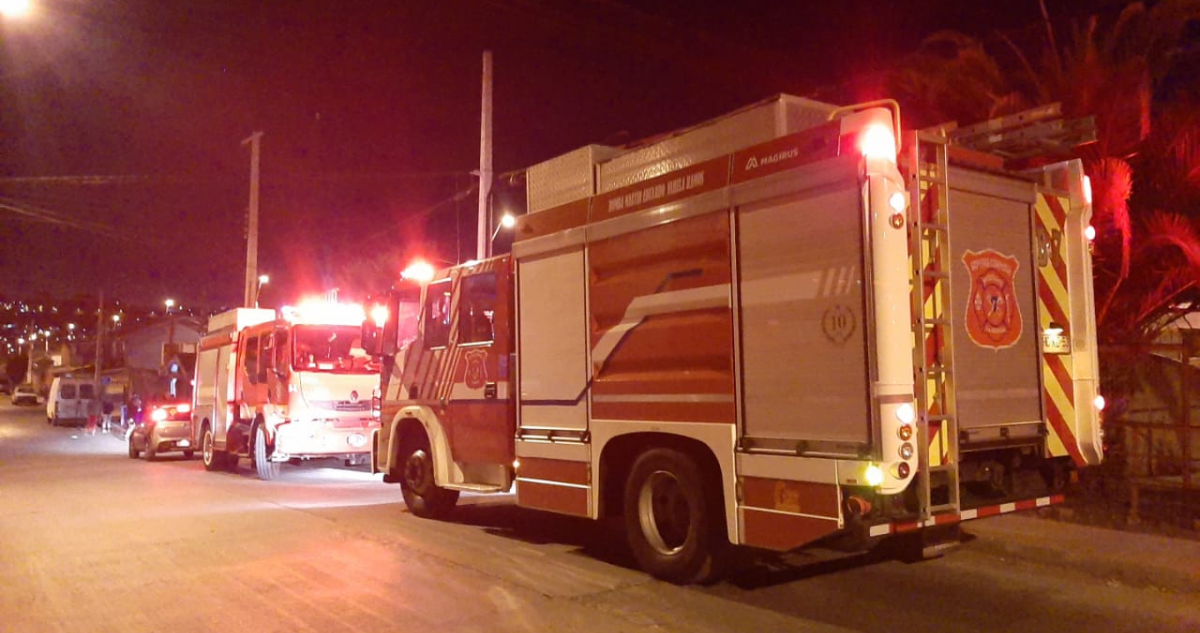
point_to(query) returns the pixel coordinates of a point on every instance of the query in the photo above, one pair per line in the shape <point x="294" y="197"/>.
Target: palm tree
<point x="1147" y="256"/>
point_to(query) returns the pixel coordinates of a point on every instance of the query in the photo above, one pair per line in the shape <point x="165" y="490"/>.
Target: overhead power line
<point x="58" y="219"/>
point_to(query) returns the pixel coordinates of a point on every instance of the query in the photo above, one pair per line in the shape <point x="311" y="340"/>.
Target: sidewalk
<point x="1142" y="560"/>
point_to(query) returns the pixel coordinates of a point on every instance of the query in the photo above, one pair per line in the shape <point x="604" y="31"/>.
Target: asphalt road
<point x="93" y="541"/>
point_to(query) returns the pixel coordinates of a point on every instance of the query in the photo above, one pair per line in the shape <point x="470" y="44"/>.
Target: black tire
<point x="188" y="454"/>
<point x="421" y="494"/>
<point x="673" y="518"/>
<point x="267" y="470"/>
<point x="133" y="451"/>
<point x="213" y="459"/>
<point x="151" y="449"/>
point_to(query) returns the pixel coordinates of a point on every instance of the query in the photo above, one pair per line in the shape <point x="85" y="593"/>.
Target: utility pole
<point x="254" y="141"/>
<point x="483" y="247"/>
<point x="99" y="341"/>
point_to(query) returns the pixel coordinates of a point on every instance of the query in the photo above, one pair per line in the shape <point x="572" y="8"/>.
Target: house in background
<point x="154" y="359"/>
<point x="159" y="357"/>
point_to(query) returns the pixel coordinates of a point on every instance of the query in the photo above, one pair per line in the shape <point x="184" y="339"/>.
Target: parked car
<point x="70" y="400"/>
<point x="6" y="385"/>
<point x="164" y="427"/>
<point x="24" y="394"/>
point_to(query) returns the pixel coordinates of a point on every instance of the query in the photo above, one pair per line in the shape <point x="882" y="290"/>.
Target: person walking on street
<point x="106" y="411"/>
<point x="93" y="416"/>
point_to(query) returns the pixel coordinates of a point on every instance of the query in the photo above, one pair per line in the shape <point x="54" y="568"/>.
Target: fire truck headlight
<point x="874" y="475"/>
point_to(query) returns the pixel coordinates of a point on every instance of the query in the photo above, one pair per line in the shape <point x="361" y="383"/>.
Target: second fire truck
<point x="774" y="329"/>
<point x="277" y="388"/>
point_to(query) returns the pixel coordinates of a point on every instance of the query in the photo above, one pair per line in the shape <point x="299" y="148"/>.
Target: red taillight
<point x="877" y="142"/>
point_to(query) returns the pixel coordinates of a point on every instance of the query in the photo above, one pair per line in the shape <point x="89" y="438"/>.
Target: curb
<point x="1140" y="560"/>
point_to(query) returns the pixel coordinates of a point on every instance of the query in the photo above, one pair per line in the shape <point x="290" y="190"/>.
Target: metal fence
<point x="1152" y="428"/>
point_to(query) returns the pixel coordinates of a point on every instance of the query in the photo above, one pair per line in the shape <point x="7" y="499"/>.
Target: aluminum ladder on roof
<point x="927" y="169"/>
<point x="1037" y="132"/>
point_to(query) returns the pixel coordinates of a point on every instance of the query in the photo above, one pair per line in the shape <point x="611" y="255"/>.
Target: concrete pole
<point x="254" y="141"/>
<point x="483" y="246"/>
<point x="99" y="342"/>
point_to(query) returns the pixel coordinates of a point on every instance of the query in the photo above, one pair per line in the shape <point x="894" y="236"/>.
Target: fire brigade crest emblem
<point x="993" y="315"/>
<point x="476" y="372"/>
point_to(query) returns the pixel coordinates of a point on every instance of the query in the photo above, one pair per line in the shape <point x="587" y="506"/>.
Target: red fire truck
<point x="774" y="329"/>
<point x="277" y="388"/>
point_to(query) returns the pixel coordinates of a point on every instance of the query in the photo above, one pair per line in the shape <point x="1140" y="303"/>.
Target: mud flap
<point x="926" y="544"/>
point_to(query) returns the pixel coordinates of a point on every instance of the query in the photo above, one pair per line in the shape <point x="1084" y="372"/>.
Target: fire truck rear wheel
<point x="213" y="459"/>
<point x="267" y="470"/>
<point x="673" y="519"/>
<point x="422" y="495"/>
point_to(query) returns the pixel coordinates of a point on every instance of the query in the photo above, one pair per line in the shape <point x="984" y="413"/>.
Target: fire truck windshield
<point x="331" y="348"/>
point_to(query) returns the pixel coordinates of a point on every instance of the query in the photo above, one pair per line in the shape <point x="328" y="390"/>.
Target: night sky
<point x="121" y="121"/>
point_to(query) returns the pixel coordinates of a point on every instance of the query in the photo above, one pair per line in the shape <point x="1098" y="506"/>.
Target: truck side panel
<point x="553" y="345"/>
<point x="804" y="334"/>
<point x="662" y="330"/>
<point x="225" y="384"/>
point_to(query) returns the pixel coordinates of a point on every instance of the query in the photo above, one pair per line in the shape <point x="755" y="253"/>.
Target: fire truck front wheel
<point x="672" y="519"/>
<point x="422" y="495"/>
<point x="266" y="469"/>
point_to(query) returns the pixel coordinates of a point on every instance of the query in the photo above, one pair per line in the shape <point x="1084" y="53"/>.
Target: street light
<point x="262" y="281"/>
<point x="507" y="221"/>
<point x="15" y="8"/>
<point x="170" y="303"/>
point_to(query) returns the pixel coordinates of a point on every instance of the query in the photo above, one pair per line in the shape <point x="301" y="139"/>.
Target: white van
<point x="69" y="400"/>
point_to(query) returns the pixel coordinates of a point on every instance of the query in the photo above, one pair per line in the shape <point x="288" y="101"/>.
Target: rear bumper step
<point x="950" y="518"/>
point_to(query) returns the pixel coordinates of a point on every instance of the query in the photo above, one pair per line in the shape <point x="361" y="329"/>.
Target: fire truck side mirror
<point x="372" y="337"/>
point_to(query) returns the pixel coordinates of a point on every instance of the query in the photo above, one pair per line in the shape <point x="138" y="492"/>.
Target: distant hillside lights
<point x="71" y="321"/>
